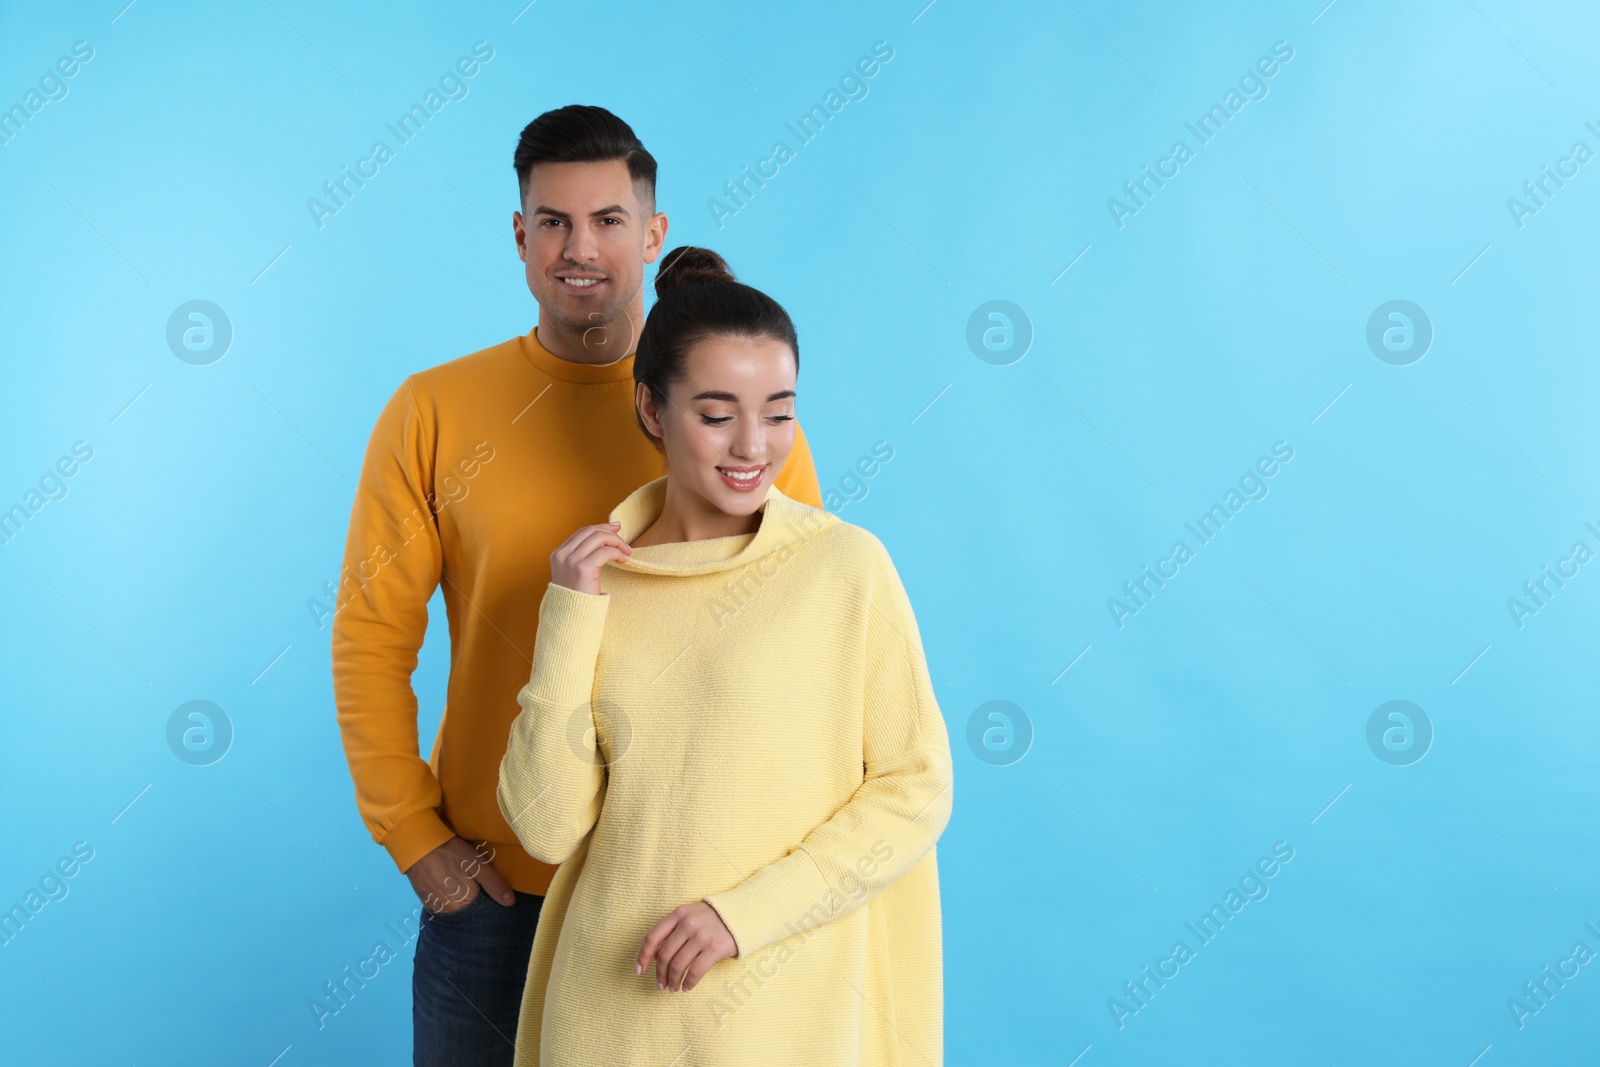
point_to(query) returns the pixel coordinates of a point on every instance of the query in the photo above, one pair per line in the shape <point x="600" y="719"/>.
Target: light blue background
<point x="1228" y="314"/>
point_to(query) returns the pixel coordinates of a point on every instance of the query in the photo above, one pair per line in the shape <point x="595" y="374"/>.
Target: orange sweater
<point x="477" y="469"/>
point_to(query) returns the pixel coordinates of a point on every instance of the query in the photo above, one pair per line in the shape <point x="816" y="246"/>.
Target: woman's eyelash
<point x="718" y="420"/>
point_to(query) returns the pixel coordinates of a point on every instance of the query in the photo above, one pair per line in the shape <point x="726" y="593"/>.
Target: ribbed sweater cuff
<point x="567" y="646"/>
<point x="415" y="836"/>
<point x="780" y="899"/>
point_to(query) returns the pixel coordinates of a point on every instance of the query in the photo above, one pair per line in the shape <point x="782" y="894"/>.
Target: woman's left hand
<point x="685" y="945"/>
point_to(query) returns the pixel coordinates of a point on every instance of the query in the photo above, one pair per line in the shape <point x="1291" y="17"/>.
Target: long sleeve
<point x="798" y="478"/>
<point x="392" y="564"/>
<point x="552" y="777"/>
<point x="894" y="817"/>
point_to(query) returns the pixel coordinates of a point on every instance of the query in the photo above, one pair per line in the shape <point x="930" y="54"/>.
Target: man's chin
<point x="577" y="316"/>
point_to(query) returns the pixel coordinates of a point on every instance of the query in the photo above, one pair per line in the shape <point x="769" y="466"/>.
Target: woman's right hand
<point x="576" y="564"/>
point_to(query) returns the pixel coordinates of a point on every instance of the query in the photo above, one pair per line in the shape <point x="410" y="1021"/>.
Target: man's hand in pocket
<point x="448" y="878"/>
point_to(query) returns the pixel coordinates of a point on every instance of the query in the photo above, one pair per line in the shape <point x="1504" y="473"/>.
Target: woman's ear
<point x="649" y="414"/>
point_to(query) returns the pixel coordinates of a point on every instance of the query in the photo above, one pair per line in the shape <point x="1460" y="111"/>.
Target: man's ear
<point x="655" y="237"/>
<point x="519" y="231"/>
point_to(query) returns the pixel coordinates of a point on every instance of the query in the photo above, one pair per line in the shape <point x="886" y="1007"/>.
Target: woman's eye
<point x="720" y="420"/>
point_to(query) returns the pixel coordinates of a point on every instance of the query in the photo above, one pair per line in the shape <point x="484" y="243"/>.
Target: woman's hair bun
<point x="688" y="264"/>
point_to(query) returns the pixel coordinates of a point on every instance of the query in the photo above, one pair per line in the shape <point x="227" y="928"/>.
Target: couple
<point x="723" y="788"/>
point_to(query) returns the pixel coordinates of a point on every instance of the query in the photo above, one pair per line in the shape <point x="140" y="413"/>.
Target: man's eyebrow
<point x="614" y="209"/>
<point x="715" y="394"/>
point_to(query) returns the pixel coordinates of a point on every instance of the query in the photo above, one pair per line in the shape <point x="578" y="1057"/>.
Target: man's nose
<point x="582" y="249"/>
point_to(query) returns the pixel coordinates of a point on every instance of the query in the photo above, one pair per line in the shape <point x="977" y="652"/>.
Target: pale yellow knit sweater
<point x="746" y="720"/>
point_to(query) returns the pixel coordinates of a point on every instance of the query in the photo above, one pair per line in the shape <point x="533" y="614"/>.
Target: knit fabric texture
<point x="747" y="721"/>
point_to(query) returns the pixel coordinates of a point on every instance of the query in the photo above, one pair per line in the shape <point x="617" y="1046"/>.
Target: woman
<point x="728" y="742"/>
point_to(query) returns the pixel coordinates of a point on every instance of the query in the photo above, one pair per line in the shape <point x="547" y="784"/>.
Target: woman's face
<point x="729" y="421"/>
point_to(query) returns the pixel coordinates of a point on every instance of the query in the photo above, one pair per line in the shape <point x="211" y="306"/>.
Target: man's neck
<point x="598" y="344"/>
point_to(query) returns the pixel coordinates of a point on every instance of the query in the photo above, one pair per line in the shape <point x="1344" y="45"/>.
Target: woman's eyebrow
<point x="717" y="394"/>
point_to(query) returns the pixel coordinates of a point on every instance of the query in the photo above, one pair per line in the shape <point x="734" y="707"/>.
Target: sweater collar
<point x="569" y="371"/>
<point x="785" y="523"/>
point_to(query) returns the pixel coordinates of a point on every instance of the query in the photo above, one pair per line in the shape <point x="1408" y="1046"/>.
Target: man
<point x="476" y="471"/>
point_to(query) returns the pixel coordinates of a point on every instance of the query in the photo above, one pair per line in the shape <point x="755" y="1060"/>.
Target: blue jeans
<point x="466" y="983"/>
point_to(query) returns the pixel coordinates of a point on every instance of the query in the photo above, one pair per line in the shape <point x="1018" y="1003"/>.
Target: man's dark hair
<point x="581" y="133"/>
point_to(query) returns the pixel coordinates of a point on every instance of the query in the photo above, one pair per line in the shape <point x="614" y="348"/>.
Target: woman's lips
<point x="746" y="484"/>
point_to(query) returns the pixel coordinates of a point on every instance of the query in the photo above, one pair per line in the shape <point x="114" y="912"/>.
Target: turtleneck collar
<point x="785" y="522"/>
